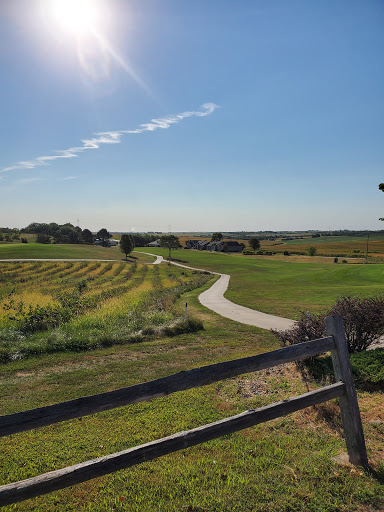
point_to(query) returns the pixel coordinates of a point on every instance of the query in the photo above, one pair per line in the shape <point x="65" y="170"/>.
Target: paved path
<point x="214" y="299"/>
<point x="159" y="259"/>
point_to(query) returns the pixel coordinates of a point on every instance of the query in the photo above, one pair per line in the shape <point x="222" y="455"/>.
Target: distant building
<point x="232" y="246"/>
<point x="156" y="243"/>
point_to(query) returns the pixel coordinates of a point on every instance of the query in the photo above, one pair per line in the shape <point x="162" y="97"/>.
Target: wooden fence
<point x="343" y="389"/>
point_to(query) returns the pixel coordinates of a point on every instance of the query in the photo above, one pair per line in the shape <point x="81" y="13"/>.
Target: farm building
<point x="156" y="243"/>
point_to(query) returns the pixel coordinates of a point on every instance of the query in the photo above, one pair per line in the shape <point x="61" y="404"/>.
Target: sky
<point x="211" y="115"/>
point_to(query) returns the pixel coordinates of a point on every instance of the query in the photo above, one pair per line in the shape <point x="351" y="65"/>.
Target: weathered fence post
<point x="349" y="407"/>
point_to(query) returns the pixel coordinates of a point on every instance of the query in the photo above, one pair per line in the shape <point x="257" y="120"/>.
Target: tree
<point x="43" y="239"/>
<point x="87" y="236"/>
<point x="312" y="251"/>
<point x="170" y="242"/>
<point x="126" y="244"/>
<point x="254" y="243"/>
<point x="216" y="237"/>
<point x="104" y="235"/>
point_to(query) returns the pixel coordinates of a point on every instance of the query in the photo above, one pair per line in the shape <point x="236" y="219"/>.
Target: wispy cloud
<point x="111" y="137"/>
<point x="67" y="178"/>
<point x="26" y="181"/>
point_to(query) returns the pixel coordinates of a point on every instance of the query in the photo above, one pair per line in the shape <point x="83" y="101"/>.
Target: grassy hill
<point x="282" y="286"/>
<point x="283" y="465"/>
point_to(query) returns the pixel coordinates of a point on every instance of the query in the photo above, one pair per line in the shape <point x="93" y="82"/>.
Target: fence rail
<point x="54" y="480"/>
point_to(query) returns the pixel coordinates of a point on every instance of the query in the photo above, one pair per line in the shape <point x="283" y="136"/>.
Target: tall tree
<point x="87" y="236"/>
<point x="170" y="242"/>
<point x="216" y="237"/>
<point x="104" y="235"/>
<point x="254" y="243"/>
<point x="126" y="244"/>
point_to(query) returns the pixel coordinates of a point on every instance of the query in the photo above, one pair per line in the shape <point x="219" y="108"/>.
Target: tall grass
<point x="99" y="310"/>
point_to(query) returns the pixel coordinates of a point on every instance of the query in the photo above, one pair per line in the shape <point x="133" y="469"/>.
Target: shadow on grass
<point x="367" y="369"/>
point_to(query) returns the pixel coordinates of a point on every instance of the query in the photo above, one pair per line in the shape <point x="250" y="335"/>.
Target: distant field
<point x="342" y="246"/>
<point x="34" y="250"/>
<point x="328" y="248"/>
<point x="284" y="287"/>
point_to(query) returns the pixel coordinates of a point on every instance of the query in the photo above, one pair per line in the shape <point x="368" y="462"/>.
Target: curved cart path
<point x="214" y="299"/>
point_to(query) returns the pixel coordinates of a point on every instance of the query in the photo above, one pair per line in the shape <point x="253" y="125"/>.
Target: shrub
<point x="248" y="252"/>
<point x="344" y="261"/>
<point x="363" y="323"/>
<point x="43" y="239"/>
<point x="335" y="260"/>
<point x="312" y="251"/>
<point x="356" y="250"/>
<point x="286" y="253"/>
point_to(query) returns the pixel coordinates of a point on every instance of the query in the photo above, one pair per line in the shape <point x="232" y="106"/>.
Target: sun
<point x="80" y="17"/>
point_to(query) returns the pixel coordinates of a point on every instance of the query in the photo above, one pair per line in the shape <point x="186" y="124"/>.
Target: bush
<point x="43" y="239"/>
<point x="344" y="261"/>
<point x="363" y="323"/>
<point x="248" y="252"/>
<point x="312" y="251"/>
<point x="335" y="260"/>
<point x="286" y="253"/>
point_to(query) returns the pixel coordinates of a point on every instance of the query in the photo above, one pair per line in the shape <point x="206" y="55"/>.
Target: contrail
<point x="112" y="137"/>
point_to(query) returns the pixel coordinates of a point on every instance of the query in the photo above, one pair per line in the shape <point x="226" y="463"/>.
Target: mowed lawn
<point x="285" y="287"/>
<point x="64" y="251"/>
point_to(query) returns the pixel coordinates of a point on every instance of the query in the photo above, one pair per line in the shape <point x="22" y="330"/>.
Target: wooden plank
<point x="349" y="407"/>
<point x="54" y="480"/>
<point x="35" y="418"/>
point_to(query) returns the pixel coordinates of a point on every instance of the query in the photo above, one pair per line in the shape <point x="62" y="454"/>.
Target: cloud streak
<point x="111" y="137"/>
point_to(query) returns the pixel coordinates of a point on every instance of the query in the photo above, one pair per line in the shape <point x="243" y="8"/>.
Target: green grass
<point x="36" y="251"/>
<point x="283" y="465"/>
<point x="284" y="287"/>
<point x="367" y="368"/>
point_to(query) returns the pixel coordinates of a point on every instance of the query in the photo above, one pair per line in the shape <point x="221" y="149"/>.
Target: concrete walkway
<point x="159" y="259"/>
<point x="214" y="299"/>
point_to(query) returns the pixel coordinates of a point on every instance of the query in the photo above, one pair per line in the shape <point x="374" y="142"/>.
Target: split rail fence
<point x="343" y="389"/>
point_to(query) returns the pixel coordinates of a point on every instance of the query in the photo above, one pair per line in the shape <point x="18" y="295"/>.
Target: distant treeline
<point x="59" y="233"/>
<point x="291" y="235"/>
<point x="142" y="239"/>
<point x="70" y="234"/>
<point x="9" y="234"/>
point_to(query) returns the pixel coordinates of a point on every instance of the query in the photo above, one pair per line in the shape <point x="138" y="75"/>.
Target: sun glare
<point x="80" y="17"/>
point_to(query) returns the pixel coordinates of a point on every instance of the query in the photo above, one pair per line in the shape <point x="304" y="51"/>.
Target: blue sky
<point x="284" y="125"/>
